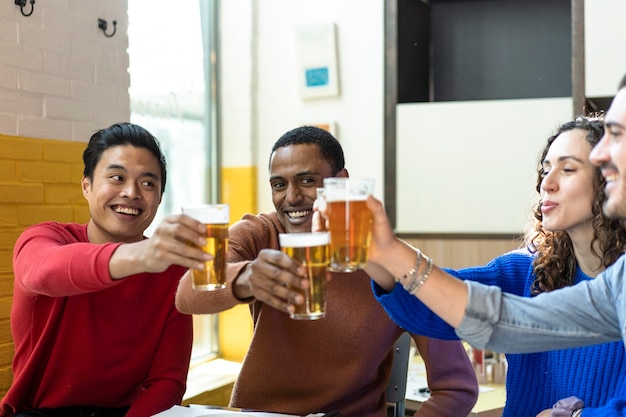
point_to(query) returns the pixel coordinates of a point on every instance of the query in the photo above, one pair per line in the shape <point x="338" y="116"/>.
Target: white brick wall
<point x="60" y="77"/>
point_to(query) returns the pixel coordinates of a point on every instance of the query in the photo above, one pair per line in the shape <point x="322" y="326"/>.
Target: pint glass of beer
<point x="215" y="217"/>
<point x="311" y="251"/>
<point x="349" y="222"/>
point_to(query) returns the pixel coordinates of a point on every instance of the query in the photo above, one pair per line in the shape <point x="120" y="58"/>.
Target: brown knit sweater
<point x="341" y="362"/>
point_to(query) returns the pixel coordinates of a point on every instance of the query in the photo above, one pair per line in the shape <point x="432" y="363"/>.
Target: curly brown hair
<point x="555" y="263"/>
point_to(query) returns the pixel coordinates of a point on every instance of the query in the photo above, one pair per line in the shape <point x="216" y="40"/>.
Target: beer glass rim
<point x="303" y="240"/>
<point x="204" y="205"/>
<point x="341" y="180"/>
<point x="347" y="189"/>
<point x="208" y="213"/>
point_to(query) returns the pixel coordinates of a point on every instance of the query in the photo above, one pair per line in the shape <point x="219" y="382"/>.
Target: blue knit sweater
<point x="535" y="381"/>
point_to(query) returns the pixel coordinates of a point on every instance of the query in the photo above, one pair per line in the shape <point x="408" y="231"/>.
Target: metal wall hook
<point x="22" y="3"/>
<point x="102" y="24"/>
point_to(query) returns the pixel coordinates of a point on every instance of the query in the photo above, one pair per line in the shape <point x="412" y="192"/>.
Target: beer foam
<point x="346" y="189"/>
<point x="333" y="196"/>
<point x="208" y="213"/>
<point x="303" y="240"/>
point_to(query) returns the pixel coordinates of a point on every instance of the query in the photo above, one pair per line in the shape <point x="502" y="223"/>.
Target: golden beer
<point x="349" y="225"/>
<point x="213" y="276"/>
<point x="215" y="217"/>
<point x="310" y="250"/>
<point x="349" y="222"/>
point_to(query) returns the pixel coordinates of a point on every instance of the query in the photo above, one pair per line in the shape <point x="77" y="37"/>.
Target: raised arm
<point x="167" y="246"/>
<point x="390" y="258"/>
<point x="190" y="301"/>
<point x="75" y="266"/>
<point x="512" y="271"/>
<point x="256" y="270"/>
<point x="581" y="315"/>
<point x="588" y="313"/>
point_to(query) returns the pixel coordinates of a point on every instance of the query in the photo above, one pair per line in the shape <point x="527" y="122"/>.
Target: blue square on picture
<point x="316" y="77"/>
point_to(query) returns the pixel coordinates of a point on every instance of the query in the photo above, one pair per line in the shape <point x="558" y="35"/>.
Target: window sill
<point x="210" y="376"/>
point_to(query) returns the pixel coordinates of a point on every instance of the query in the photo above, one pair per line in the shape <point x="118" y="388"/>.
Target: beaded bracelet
<point x="410" y="285"/>
<point x="423" y="278"/>
<point x="577" y="412"/>
<point x="413" y="271"/>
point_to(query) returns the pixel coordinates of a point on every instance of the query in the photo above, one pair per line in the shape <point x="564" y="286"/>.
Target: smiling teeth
<point x="127" y="210"/>
<point x="611" y="178"/>
<point x="294" y="214"/>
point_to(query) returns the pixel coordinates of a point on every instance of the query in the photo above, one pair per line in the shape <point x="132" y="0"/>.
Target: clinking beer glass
<point x="311" y="251"/>
<point x="349" y="221"/>
<point x="215" y="217"/>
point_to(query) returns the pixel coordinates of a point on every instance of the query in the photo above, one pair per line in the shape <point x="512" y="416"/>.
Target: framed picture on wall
<point x="316" y="55"/>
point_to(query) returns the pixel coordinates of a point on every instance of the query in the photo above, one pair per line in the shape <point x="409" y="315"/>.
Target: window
<point x="168" y="96"/>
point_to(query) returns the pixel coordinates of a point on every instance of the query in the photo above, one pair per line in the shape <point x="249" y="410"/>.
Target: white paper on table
<point x="199" y="411"/>
<point x="178" y="411"/>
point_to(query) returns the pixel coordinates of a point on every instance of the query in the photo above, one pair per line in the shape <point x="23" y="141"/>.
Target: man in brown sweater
<point x="342" y="361"/>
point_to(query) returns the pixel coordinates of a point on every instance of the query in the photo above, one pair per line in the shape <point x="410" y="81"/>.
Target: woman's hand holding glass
<point x="390" y="257"/>
<point x="386" y="251"/>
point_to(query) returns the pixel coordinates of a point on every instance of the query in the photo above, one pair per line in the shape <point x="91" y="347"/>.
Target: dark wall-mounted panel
<point x="414" y="59"/>
<point x="450" y="50"/>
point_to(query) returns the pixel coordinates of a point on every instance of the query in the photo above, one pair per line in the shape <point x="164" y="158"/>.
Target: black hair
<point x="329" y="147"/>
<point x="120" y="134"/>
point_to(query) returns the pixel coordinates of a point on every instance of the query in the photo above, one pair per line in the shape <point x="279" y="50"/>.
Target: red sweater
<point x="82" y="338"/>
<point x="341" y="362"/>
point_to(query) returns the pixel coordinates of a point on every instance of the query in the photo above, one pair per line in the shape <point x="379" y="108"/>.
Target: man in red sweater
<point x="93" y="319"/>
<point x="342" y="361"/>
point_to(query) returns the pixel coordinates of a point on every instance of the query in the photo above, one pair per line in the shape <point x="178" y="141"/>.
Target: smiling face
<point x="567" y="192"/>
<point x="123" y="195"/>
<point x="296" y="171"/>
<point x="610" y="155"/>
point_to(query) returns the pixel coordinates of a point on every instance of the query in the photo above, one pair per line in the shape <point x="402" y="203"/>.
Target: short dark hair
<point x="329" y="147"/>
<point x="120" y="134"/>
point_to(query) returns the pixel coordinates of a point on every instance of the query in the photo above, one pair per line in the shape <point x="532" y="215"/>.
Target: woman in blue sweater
<point x="571" y="241"/>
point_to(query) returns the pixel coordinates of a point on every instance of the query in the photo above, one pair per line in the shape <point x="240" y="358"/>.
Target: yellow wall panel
<point x="33" y="214"/>
<point x="238" y="190"/>
<point x="63" y="151"/>
<point x="44" y="171"/>
<point x="64" y="194"/>
<point x="6" y="376"/>
<point x="8" y="215"/>
<point x="235" y="332"/>
<point x="6" y="270"/>
<point x="39" y="181"/>
<point x="8" y="236"/>
<point x="12" y="147"/>
<point x="14" y="192"/>
<point x="7" y="170"/>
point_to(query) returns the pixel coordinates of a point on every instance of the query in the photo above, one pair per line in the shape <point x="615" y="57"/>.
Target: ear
<point x="342" y="174"/>
<point x="85" y="185"/>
